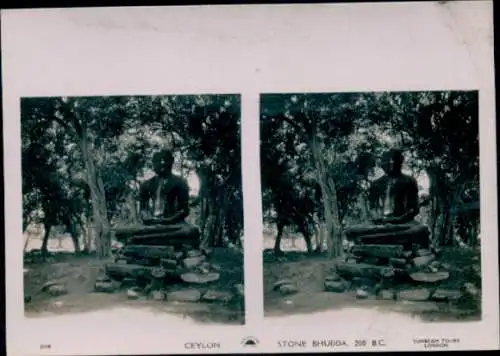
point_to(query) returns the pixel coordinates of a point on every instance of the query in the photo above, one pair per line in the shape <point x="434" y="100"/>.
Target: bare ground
<point x="309" y="272"/>
<point x="80" y="272"/>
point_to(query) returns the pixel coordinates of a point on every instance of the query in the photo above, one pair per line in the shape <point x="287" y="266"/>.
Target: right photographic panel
<point x="371" y="200"/>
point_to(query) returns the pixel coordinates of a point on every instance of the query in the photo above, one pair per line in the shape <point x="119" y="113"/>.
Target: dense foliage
<point x="336" y="140"/>
<point x="84" y="157"/>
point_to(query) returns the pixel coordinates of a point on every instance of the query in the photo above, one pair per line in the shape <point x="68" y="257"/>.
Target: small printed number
<point x="360" y="343"/>
<point x="45" y="346"/>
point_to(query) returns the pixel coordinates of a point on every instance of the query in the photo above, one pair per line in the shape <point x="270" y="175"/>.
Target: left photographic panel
<point x="133" y="204"/>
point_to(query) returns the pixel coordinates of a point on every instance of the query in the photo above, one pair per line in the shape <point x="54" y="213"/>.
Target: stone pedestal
<point x="383" y="257"/>
<point x="159" y="255"/>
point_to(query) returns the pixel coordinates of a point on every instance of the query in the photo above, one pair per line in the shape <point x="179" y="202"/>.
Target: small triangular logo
<point x="250" y="341"/>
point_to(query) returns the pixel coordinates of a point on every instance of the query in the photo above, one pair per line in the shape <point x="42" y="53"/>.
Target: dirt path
<point x="80" y="272"/>
<point x="308" y="274"/>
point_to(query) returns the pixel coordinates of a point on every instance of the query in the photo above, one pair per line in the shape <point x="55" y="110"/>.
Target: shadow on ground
<point x="79" y="272"/>
<point x="308" y="273"/>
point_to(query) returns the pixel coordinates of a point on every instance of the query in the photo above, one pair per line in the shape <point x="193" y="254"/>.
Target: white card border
<point x="246" y="50"/>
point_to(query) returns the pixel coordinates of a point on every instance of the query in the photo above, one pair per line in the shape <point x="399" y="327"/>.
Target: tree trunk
<point x="45" y="240"/>
<point x="206" y="240"/>
<point x="321" y="236"/>
<point x="212" y="225"/>
<point x="330" y="204"/>
<point x="441" y="222"/>
<point x="204" y="219"/>
<point x="223" y="213"/>
<point x="442" y="232"/>
<point x="448" y="207"/>
<point x="87" y="238"/>
<point x="216" y="228"/>
<point x="74" y="236"/>
<point x="212" y="214"/>
<point x="232" y="222"/>
<point x="435" y="207"/>
<point x="456" y="201"/>
<point x="99" y="209"/>
<point x="208" y="221"/>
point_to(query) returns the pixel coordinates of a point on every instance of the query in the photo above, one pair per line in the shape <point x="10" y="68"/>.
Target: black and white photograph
<point x="371" y="200"/>
<point x="133" y="201"/>
<point x="244" y="178"/>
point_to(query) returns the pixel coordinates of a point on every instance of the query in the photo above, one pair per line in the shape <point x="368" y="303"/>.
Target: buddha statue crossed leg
<point x="394" y="205"/>
<point x="164" y="206"/>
